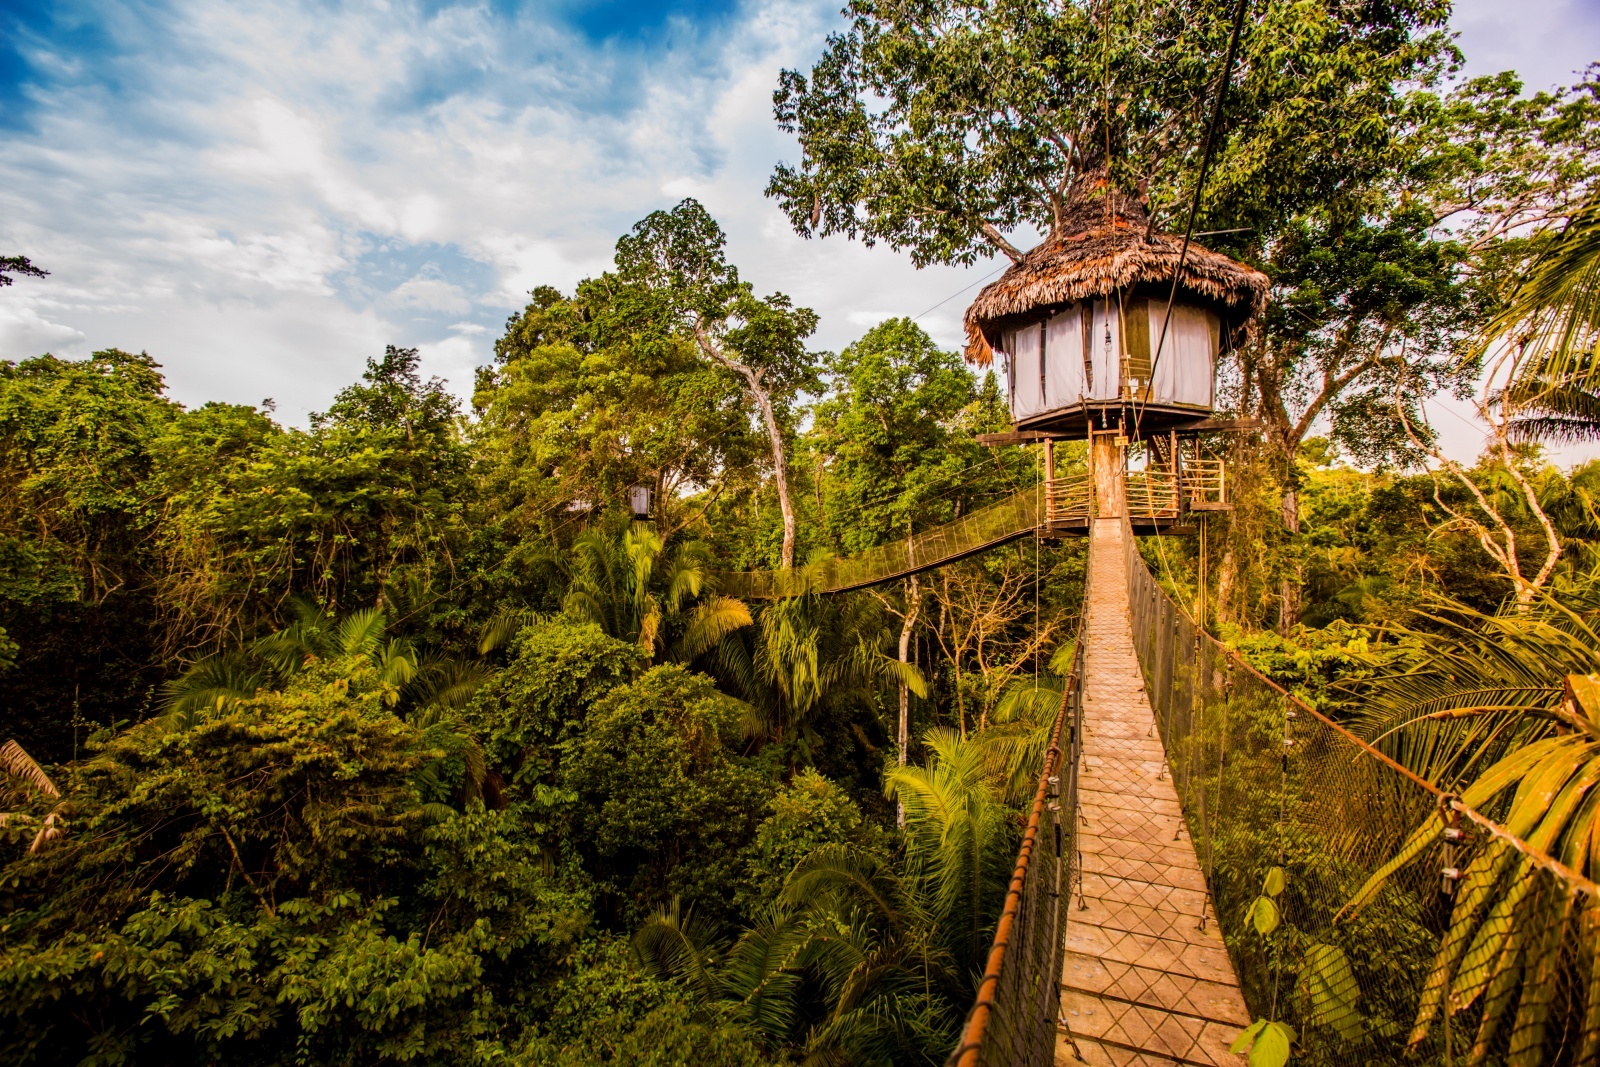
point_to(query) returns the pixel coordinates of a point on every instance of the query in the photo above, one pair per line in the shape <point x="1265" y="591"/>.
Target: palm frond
<point x="1494" y="710"/>
<point x="838" y="872"/>
<point x="361" y="632"/>
<point x="676" y="943"/>
<point x="763" y="971"/>
<point x="448" y="683"/>
<point x="505" y="624"/>
<point x="212" y="684"/>
<point x="16" y="763"/>
<point x="711" y="622"/>
<point x="1555" y="312"/>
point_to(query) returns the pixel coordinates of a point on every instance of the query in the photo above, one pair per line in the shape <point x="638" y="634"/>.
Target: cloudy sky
<point x="262" y="194"/>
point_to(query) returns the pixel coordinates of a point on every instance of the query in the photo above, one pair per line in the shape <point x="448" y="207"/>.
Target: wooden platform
<point x="1143" y="984"/>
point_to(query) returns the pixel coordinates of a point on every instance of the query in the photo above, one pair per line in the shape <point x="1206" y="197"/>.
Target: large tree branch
<point x="997" y="239"/>
<point x="1332" y="387"/>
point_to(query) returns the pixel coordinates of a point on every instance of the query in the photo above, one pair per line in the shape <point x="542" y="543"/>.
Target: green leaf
<point x="1247" y="1036"/>
<point x="1263" y="915"/>
<point x="1275" y="882"/>
<point x="1271" y="1048"/>
<point x="1330" y="984"/>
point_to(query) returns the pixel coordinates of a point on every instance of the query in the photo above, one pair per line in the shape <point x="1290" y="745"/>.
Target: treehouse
<point x="1083" y="335"/>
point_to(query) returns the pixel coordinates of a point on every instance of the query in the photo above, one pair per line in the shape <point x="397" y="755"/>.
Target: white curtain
<point x="1186" y="369"/>
<point x="1027" y="397"/>
<point x="1105" y="345"/>
<point x="1063" y="346"/>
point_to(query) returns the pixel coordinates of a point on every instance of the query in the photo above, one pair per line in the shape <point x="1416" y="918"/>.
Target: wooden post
<point x="1177" y="472"/>
<point x="1049" y="480"/>
<point x="1109" y="462"/>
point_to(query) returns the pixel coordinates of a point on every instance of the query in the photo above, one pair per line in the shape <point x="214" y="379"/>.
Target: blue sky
<point x="262" y="193"/>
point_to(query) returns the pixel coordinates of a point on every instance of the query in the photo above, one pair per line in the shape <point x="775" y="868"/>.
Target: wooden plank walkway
<point x="1142" y="983"/>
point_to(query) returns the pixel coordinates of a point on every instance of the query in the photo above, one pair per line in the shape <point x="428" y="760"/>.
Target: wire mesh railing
<point x="1383" y="920"/>
<point x="1013" y="1020"/>
<point x="1011" y="518"/>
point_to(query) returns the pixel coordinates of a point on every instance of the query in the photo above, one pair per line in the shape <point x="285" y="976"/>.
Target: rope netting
<point x="1014" y="517"/>
<point x="1376" y="943"/>
<point x="1012" y="1022"/>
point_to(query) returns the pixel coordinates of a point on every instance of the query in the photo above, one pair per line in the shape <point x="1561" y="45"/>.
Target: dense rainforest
<point x="426" y="732"/>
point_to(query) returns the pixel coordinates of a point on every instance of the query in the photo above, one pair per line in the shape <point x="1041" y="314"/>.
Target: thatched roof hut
<point x="1104" y="246"/>
<point x="1085" y="331"/>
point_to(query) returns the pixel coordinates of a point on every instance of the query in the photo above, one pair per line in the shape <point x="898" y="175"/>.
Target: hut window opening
<point x="1136" y="324"/>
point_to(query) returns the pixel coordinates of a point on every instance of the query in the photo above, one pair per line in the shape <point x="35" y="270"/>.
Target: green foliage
<point x="268" y="885"/>
<point x="665" y="804"/>
<point x="530" y="712"/>
<point x="607" y="1010"/>
<point x="667" y="1037"/>
<point x="895" y="438"/>
<point x="809" y="813"/>
<point x="596" y="392"/>
<point x="1311" y="661"/>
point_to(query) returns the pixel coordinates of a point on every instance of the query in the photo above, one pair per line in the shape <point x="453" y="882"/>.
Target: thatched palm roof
<point x="1099" y="249"/>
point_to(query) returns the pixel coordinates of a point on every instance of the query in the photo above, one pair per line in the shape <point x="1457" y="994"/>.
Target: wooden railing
<point x="1152" y="494"/>
<point x="1205" y="485"/>
<point x="1070" y="500"/>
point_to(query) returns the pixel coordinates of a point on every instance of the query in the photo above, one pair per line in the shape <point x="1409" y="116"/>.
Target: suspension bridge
<point x="1209" y="868"/>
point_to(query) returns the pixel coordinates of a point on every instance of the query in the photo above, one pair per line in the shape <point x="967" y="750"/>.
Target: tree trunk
<point x="1109" y="463"/>
<point x="902" y="737"/>
<point x="1225" y="578"/>
<point x="780" y="461"/>
<point x="1289" y="584"/>
<point x="780" y="465"/>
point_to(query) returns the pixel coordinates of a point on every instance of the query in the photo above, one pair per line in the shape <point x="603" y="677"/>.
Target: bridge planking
<point x="1147" y="979"/>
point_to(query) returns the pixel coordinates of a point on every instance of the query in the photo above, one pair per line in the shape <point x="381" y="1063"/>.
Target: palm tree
<point x="810" y="655"/>
<point x="1018" y="733"/>
<point x="960" y="835"/>
<point x="847" y="967"/>
<point x="218" y="681"/>
<point x="864" y="958"/>
<point x="634" y="588"/>
<point x="1504" y="711"/>
<point x="1553" y="319"/>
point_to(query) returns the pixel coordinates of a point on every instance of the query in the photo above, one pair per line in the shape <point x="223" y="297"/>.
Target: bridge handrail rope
<point x="1013" y="1020"/>
<point x="1380" y="943"/>
<point x="1007" y="520"/>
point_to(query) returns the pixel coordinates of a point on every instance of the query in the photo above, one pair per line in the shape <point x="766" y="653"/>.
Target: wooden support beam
<point x="1021" y="437"/>
<point x="1213" y="425"/>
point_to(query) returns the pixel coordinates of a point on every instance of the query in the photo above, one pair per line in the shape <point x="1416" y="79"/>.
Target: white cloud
<point x="25" y="333"/>
<point x="278" y="188"/>
<point x="429" y="294"/>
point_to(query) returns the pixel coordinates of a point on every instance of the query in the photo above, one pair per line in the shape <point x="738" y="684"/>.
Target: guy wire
<point x="1199" y="187"/>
